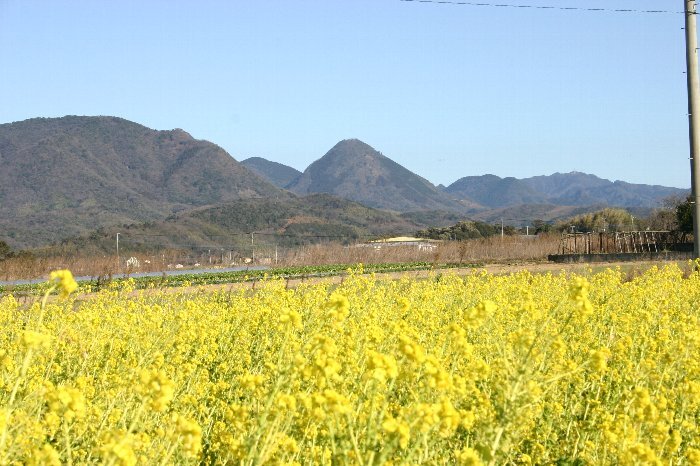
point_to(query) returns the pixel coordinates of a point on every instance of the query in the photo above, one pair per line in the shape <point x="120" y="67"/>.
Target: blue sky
<point x="445" y="90"/>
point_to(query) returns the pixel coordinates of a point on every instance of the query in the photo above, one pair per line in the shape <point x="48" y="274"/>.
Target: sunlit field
<point x="480" y="369"/>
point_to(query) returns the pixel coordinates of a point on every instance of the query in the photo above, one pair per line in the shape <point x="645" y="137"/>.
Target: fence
<point x="621" y="242"/>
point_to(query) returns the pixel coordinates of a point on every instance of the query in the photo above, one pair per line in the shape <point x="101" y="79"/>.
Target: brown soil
<point x="631" y="268"/>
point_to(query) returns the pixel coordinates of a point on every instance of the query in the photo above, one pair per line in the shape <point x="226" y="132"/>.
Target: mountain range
<point x="354" y="170"/>
<point x="66" y="177"/>
<point x="561" y="189"/>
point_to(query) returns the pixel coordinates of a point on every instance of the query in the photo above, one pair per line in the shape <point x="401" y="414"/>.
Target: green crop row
<point x="216" y="278"/>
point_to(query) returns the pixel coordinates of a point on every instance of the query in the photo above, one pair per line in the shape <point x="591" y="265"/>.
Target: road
<point x="168" y="273"/>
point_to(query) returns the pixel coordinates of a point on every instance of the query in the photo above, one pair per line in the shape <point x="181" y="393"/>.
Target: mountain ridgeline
<point x="87" y="177"/>
<point x="66" y="176"/>
<point x="560" y="189"/>
<point x="355" y="170"/>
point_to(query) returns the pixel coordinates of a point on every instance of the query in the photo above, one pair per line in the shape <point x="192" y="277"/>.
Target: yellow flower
<point x="293" y="318"/>
<point x="251" y="381"/>
<point x="381" y="367"/>
<point x="189" y="435"/>
<point x="338" y="307"/>
<point x="578" y="292"/>
<point x="468" y="457"/>
<point x="599" y="360"/>
<point x="286" y="402"/>
<point x="288" y="444"/>
<point x="476" y="315"/>
<point x="67" y="402"/>
<point x="371" y="382"/>
<point x="693" y="456"/>
<point x="398" y="427"/>
<point x="411" y="349"/>
<point x="35" y="340"/>
<point x="157" y="389"/>
<point x="64" y="281"/>
<point x="117" y="448"/>
<point x="641" y="453"/>
<point x="45" y="456"/>
<point x="336" y="402"/>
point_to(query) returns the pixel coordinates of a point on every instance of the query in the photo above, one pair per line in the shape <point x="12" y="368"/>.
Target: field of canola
<point x="481" y="369"/>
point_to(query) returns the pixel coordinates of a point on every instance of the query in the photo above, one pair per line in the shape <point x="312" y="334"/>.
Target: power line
<point x="543" y="7"/>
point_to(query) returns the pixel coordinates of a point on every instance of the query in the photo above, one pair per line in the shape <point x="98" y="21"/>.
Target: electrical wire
<point x="542" y="7"/>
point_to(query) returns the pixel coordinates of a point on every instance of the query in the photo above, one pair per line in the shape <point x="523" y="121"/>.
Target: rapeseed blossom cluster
<point x="63" y="280"/>
<point x="472" y="370"/>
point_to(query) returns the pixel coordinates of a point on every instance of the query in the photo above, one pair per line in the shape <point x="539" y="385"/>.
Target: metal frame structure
<point x="619" y="242"/>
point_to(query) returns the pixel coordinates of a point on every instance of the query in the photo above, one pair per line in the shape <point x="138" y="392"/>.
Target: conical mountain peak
<point x="355" y="170"/>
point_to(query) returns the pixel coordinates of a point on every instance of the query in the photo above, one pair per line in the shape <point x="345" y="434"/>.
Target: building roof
<point x="403" y="239"/>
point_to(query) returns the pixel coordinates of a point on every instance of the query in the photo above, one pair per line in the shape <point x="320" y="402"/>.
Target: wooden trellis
<point x="617" y="242"/>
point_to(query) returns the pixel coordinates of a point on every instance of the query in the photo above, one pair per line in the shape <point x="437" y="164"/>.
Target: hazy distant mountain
<point x="356" y="171"/>
<point x="493" y="191"/>
<point x="61" y="177"/>
<point x="561" y="189"/>
<point x="276" y="173"/>
<point x="577" y="188"/>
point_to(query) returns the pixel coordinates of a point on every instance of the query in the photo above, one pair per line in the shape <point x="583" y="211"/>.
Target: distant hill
<point x="433" y="218"/>
<point x="61" y="177"/>
<point x="283" y="221"/>
<point x="354" y="170"/>
<point x="560" y="189"/>
<point x="276" y="173"/>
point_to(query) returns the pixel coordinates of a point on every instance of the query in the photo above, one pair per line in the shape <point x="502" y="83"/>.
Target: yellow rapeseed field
<point x="519" y="369"/>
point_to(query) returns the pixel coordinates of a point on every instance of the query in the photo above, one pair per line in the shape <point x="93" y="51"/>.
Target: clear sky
<point x="445" y="90"/>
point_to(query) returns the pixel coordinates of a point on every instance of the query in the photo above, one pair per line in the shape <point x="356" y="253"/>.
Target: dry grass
<point x="494" y="249"/>
<point x="28" y="267"/>
<point x="489" y="250"/>
<point x="24" y="267"/>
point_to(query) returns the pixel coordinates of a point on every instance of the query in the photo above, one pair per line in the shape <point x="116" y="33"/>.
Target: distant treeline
<point x="675" y="215"/>
<point x="464" y="230"/>
<point x="6" y="252"/>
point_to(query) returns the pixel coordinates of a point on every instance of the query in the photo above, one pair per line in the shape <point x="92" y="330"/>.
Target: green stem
<point x="23" y="372"/>
<point x="66" y="440"/>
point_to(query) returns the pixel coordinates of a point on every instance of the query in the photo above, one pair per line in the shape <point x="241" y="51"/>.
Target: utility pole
<point x="119" y="262"/>
<point x="691" y="60"/>
<point x="252" y="247"/>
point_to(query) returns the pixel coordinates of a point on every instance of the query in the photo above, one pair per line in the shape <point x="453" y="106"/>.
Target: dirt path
<point x="632" y="268"/>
